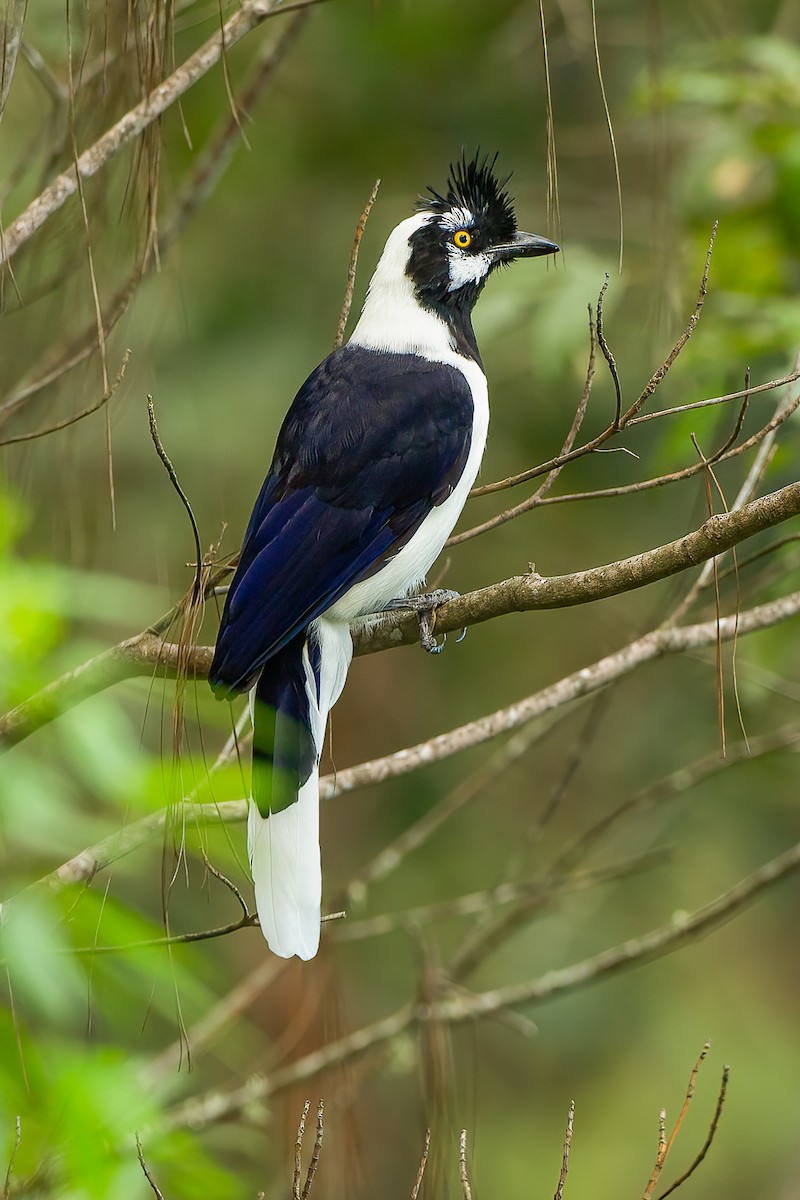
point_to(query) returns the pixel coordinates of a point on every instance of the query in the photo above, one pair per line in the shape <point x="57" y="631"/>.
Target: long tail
<point x="291" y="702"/>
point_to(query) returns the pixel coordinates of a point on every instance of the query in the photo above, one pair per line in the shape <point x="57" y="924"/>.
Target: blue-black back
<point x="372" y="442"/>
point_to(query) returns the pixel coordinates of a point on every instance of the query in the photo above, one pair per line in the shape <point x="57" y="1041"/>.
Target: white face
<point x="463" y="266"/>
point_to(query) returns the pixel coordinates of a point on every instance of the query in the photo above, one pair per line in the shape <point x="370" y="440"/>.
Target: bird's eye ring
<point x="462" y="238"/>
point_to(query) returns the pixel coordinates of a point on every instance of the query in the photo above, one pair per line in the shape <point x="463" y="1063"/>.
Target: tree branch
<point x="251" y="14"/>
<point x="146" y="652"/>
<point x="668" y="640"/>
<point x="465" y="1006"/>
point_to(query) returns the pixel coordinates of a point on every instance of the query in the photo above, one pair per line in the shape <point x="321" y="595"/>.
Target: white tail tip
<point x="285" y="861"/>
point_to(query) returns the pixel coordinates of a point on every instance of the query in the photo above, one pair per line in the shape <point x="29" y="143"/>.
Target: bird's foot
<point x="425" y="607"/>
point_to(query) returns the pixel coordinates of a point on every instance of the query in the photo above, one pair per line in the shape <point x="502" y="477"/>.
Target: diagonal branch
<point x="84" y="866"/>
<point x="146" y="652"/>
<point x="469" y="1006"/>
<point x="251" y="14"/>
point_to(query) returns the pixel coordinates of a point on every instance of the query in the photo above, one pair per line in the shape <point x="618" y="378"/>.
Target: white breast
<point x="404" y="573"/>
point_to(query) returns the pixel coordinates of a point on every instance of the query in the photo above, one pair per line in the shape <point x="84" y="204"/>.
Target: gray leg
<point x="425" y="607"/>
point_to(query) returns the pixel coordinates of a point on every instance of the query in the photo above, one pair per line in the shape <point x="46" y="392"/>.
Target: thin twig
<point x="647" y="649"/>
<point x="145" y="651"/>
<point x="216" y="1106"/>
<point x="709" y="1139"/>
<point x="184" y="499"/>
<point x="315" y="1153"/>
<point x="606" y="349"/>
<point x="577" y="420"/>
<point x="462" y="1165"/>
<point x="562" y="1178"/>
<point x="661" y="1154"/>
<point x="298" y="1153"/>
<point x="12" y="1157"/>
<point x="211" y="164"/>
<point x="423" y="1162"/>
<point x="631" y="416"/>
<point x="353" y="264"/>
<point x="247" y="18"/>
<point x="73" y="420"/>
<point x="153" y="1185"/>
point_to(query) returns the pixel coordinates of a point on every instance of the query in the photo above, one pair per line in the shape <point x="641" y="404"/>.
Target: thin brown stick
<point x="212" y="162"/>
<point x="642" y="485"/>
<point x="661" y="1155"/>
<point x="184" y="499"/>
<point x="315" y="1153"/>
<point x="247" y="18"/>
<point x="708" y="475"/>
<point x="462" y="1165"/>
<point x="562" y="1178"/>
<point x="153" y="1185"/>
<point x="553" y="198"/>
<point x="723" y="1089"/>
<point x="352" y="266"/>
<point x="298" y="1153"/>
<point x="665" y="1144"/>
<point x="631" y="416"/>
<point x="423" y="1162"/>
<point x="12" y="1157"/>
<point x="73" y="420"/>
<point x="580" y="413"/>
<point x="216" y="1106"/>
<point x="606" y="349"/>
<point x="687" y="1100"/>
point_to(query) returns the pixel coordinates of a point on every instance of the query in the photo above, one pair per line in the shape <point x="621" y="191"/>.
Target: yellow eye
<point x="462" y="238"/>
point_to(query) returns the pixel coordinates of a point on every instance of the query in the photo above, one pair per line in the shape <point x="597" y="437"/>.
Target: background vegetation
<point x="226" y="296"/>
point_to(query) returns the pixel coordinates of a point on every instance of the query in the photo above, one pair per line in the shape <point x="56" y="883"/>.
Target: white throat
<point x="392" y="318"/>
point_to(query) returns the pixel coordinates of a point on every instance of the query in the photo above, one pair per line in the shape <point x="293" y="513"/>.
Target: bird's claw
<point x="425" y="607"/>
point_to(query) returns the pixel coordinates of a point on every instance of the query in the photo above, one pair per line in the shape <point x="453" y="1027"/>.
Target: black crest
<point x="474" y="185"/>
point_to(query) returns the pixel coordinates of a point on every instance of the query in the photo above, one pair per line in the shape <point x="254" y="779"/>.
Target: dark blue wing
<point x="371" y="444"/>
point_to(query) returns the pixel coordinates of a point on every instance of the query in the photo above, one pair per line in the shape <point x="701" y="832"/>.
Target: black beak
<point x="524" y="245"/>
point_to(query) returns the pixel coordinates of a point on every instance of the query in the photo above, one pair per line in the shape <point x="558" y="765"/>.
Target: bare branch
<point x="251" y="14"/>
<point x="525" y="593"/>
<point x="658" y="375"/>
<point x="456" y="1009"/>
<point x="153" y="1185"/>
<point x="577" y="420"/>
<point x="79" y="416"/>
<point x="723" y="1089"/>
<point x="298" y="1153"/>
<point x="12" y="1157"/>
<point x="630" y="417"/>
<point x="351" y="269"/>
<point x="462" y="1165"/>
<point x="423" y="1162"/>
<point x="146" y="652"/>
<point x="562" y="1179"/>
<point x="210" y="166"/>
<point x="315" y="1153"/>
<point x="85" y="865"/>
<point x="606" y="349"/>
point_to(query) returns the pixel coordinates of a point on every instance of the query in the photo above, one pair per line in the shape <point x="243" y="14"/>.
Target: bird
<point x="372" y="467"/>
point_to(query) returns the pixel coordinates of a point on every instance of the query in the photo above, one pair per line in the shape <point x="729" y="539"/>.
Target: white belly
<point x="405" y="572"/>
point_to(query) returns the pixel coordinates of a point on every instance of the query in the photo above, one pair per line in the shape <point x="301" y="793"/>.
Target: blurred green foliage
<point x="705" y="100"/>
